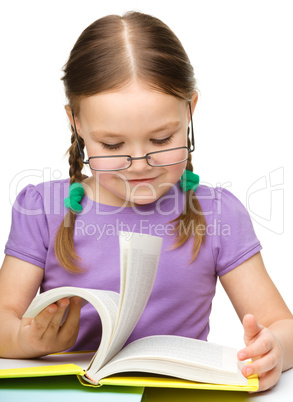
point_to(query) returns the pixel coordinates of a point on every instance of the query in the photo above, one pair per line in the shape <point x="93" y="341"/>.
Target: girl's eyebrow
<point x="170" y="125"/>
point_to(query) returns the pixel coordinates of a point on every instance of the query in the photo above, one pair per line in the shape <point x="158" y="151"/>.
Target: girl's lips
<point x="142" y="181"/>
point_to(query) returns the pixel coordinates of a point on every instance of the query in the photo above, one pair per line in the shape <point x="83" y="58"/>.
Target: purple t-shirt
<point x="181" y="299"/>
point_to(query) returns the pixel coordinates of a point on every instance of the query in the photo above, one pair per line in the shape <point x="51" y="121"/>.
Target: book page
<point x="177" y="356"/>
<point x="139" y="254"/>
<point x="182" y="349"/>
<point x="81" y="359"/>
<point x="104" y="299"/>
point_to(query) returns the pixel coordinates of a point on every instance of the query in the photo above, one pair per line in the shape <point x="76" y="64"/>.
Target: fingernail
<point x="249" y="371"/>
<point x="242" y="355"/>
<point x="62" y="303"/>
<point x="76" y="300"/>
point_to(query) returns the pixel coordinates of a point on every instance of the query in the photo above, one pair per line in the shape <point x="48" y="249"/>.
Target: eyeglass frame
<point x="87" y="162"/>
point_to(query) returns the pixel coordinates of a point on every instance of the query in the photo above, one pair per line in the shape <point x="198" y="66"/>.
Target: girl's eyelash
<point x="164" y="141"/>
<point x="109" y="146"/>
<point x="157" y="142"/>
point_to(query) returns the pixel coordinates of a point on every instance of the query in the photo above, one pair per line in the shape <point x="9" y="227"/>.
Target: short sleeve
<point x="234" y="239"/>
<point x="28" y="237"/>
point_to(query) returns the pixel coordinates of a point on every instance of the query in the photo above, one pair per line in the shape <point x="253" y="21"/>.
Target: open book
<point x="179" y="361"/>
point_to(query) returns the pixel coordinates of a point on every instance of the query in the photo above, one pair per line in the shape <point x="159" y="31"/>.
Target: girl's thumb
<point x="251" y="328"/>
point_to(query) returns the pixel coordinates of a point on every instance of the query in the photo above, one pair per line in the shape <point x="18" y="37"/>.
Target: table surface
<point x="65" y="388"/>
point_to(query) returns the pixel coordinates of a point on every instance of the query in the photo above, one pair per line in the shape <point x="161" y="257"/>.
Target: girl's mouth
<point x="138" y="181"/>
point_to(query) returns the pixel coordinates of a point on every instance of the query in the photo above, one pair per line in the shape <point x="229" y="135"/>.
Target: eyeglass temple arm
<point x="192" y="133"/>
<point x="78" y="144"/>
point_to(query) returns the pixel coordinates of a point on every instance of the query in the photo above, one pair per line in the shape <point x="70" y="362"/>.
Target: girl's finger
<point x="71" y="326"/>
<point x="26" y="321"/>
<point x="262" y="365"/>
<point x="259" y="348"/>
<point x="251" y="328"/>
<point x="54" y="324"/>
<point x="268" y="380"/>
<point x="40" y="323"/>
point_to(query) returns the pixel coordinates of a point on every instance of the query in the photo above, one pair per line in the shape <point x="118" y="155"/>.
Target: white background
<point x="242" y="55"/>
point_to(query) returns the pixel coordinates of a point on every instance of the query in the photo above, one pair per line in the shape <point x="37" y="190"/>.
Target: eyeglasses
<point x="167" y="157"/>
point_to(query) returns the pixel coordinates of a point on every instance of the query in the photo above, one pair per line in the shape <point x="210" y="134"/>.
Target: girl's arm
<point x="267" y="321"/>
<point x="26" y="337"/>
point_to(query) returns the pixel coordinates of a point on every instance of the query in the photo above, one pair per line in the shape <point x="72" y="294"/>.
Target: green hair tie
<point x="76" y="192"/>
<point x="189" y="181"/>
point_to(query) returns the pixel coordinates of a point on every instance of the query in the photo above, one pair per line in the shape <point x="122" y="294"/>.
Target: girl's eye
<point x="119" y="145"/>
<point x="111" y="146"/>
<point x="164" y="141"/>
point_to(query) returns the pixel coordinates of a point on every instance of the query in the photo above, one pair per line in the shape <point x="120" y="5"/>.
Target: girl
<point x="131" y="95"/>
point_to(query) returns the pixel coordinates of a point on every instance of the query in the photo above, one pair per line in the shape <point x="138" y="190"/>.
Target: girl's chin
<point x="143" y="202"/>
<point x="142" y="199"/>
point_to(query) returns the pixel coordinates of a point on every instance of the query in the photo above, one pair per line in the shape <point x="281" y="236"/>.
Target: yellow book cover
<point x="74" y="364"/>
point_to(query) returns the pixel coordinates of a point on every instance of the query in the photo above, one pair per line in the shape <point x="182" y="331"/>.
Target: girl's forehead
<point x="133" y="102"/>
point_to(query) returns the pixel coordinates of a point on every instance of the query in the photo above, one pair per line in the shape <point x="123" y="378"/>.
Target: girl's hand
<point x="265" y="350"/>
<point x="43" y="334"/>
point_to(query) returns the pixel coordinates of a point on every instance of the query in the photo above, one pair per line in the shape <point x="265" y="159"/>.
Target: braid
<point x="64" y="244"/>
<point x="189" y="165"/>
<point x="191" y="218"/>
<point x="75" y="162"/>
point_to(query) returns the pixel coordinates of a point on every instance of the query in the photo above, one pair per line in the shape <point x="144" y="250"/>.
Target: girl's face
<point x="133" y="121"/>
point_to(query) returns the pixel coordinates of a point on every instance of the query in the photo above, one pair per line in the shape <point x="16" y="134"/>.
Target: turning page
<point x="139" y="258"/>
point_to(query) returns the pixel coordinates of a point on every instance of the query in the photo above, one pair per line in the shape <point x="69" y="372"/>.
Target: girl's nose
<point x="139" y="163"/>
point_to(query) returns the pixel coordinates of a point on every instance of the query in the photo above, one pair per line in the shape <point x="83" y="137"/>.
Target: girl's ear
<point x="194" y="100"/>
<point x="193" y="103"/>
<point x="69" y="115"/>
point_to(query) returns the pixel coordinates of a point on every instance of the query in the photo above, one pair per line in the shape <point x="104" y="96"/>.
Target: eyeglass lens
<point x="156" y="159"/>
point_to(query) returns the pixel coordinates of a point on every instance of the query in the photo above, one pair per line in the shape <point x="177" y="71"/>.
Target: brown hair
<point x="101" y="60"/>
